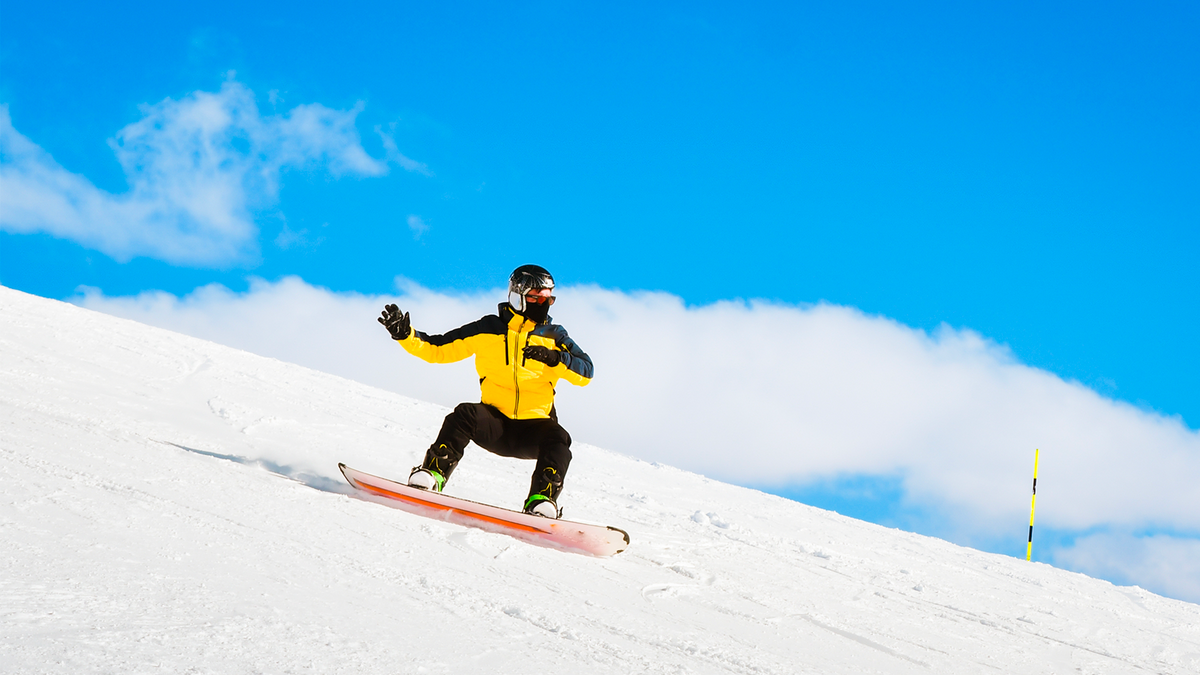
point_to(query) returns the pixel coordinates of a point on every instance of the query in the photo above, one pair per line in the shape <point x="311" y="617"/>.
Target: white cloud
<point x="767" y="394"/>
<point x="197" y="168"/>
<point x="417" y="225"/>
<point x="289" y="239"/>
<point x="1161" y="563"/>
<point x="393" y="151"/>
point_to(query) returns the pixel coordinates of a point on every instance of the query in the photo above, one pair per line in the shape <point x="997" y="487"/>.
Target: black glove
<point x="396" y="323"/>
<point x="550" y="357"/>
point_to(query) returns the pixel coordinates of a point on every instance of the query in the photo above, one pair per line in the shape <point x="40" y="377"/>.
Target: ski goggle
<point x="536" y="299"/>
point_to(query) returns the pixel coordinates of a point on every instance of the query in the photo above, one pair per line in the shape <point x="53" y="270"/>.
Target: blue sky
<point x="1029" y="172"/>
<point x="1026" y="172"/>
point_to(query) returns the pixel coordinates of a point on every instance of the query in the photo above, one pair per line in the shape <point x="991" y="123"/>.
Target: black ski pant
<point x="541" y="439"/>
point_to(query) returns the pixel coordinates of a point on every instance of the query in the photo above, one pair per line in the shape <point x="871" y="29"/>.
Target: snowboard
<point x="566" y="535"/>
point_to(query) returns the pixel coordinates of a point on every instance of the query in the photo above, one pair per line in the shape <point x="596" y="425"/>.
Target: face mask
<point x="536" y="312"/>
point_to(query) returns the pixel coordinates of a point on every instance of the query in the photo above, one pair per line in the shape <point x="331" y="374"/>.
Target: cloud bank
<point x="198" y="169"/>
<point x="1163" y="563"/>
<point x="771" y="395"/>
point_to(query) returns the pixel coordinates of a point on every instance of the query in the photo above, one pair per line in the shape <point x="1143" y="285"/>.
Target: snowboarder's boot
<point x="434" y="471"/>
<point x="426" y="479"/>
<point x="543" y="493"/>
<point x="542" y="506"/>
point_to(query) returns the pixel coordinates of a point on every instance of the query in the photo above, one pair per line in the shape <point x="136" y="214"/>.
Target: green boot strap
<point x="535" y="498"/>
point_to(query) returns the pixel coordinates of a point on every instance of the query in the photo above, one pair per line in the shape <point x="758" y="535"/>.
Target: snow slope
<point x="172" y="505"/>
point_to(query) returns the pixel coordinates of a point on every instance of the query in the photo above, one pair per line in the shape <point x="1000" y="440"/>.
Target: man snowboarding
<point x="520" y="355"/>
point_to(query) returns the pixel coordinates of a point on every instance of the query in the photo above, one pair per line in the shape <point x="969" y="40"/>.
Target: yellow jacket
<point x="518" y="387"/>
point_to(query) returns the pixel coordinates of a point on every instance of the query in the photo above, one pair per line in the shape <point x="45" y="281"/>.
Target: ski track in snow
<point x="172" y="505"/>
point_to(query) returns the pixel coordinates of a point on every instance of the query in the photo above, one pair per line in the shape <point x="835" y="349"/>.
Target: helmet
<point x="524" y="279"/>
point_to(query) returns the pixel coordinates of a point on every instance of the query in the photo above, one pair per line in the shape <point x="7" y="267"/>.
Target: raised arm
<point x="456" y="345"/>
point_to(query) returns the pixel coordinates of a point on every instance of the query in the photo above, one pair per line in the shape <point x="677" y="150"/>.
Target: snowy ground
<point x="172" y="505"/>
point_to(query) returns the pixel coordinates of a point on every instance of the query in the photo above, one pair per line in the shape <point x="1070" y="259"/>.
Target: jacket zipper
<point x="516" y="366"/>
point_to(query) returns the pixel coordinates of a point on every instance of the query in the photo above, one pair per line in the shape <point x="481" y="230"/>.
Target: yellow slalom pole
<point x="1032" y="504"/>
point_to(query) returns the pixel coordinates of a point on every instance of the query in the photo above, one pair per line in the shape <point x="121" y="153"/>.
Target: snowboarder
<point x="520" y="355"/>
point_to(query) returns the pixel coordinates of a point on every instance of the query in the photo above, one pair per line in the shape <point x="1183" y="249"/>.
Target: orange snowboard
<point x="597" y="540"/>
